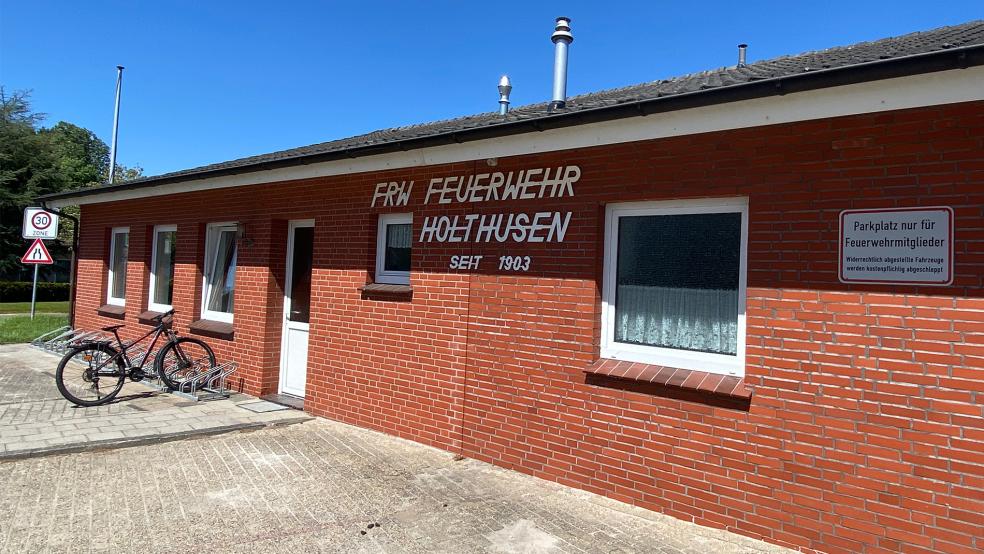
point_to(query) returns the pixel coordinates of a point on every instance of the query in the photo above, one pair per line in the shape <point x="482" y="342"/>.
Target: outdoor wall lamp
<point x="241" y="236"/>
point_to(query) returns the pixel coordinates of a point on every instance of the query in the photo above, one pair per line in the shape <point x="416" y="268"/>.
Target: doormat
<point x="261" y="406"/>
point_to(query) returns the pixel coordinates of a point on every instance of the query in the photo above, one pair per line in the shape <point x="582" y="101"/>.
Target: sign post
<point x="38" y="225"/>
<point x="34" y="292"/>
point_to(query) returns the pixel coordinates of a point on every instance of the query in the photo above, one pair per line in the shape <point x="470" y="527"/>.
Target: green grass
<point x="41" y="307"/>
<point x="20" y="328"/>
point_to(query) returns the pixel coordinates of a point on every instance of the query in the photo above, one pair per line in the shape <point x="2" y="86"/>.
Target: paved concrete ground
<point x="317" y="487"/>
<point x="34" y="418"/>
<point x="66" y="486"/>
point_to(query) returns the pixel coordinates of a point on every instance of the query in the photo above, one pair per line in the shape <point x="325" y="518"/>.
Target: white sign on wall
<point x="39" y="224"/>
<point x="897" y="245"/>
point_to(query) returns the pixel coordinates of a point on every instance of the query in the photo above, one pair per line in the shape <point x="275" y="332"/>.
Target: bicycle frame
<point x="124" y="347"/>
<point x="157" y="332"/>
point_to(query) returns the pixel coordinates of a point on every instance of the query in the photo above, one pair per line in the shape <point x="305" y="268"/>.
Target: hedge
<point x="20" y="291"/>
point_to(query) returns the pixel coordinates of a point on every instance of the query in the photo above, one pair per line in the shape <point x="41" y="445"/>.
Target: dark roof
<point x="921" y="52"/>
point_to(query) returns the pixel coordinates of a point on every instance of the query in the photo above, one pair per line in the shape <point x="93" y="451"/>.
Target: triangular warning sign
<point x="37" y="254"/>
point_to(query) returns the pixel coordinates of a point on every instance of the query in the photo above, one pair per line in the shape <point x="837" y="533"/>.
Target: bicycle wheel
<point x="183" y="360"/>
<point x="91" y="374"/>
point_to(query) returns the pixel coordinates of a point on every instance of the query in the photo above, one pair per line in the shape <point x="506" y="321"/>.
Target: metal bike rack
<point x="50" y="335"/>
<point x="151" y="378"/>
<point x="60" y="340"/>
<point x="208" y="384"/>
<point x="52" y="341"/>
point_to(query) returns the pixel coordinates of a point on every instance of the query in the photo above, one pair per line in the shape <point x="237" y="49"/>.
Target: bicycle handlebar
<point x="161" y="317"/>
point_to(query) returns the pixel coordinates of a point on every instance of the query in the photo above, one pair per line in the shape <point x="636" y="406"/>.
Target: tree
<point x="27" y="169"/>
<point x="82" y="158"/>
<point x="16" y="108"/>
<point x="35" y="161"/>
<point x="124" y="173"/>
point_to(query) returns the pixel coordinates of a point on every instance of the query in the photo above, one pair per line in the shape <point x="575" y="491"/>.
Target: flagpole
<point x="116" y="124"/>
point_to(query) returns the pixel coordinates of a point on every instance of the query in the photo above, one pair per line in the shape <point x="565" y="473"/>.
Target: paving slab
<point x="263" y="406"/>
<point x="36" y="420"/>
<point x="319" y="486"/>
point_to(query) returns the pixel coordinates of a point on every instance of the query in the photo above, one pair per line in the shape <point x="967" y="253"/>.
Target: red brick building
<point x="751" y="298"/>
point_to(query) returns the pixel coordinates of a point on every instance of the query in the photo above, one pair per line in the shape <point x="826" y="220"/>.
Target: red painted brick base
<point x="865" y="432"/>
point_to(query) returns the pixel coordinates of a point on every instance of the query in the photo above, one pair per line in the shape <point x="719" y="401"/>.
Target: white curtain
<point x="398" y="236"/>
<point x="704" y="320"/>
<point x="222" y="279"/>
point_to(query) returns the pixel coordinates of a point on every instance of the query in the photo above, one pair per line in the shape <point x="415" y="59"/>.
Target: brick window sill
<point x="213" y="329"/>
<point x="111" y="310"/>
<point x="147" y="318"/>
<point x="683" y="384"/>
<point x="384" y="291"/>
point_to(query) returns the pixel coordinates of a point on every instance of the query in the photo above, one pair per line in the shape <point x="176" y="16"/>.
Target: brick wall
<point x="865" y="432"/>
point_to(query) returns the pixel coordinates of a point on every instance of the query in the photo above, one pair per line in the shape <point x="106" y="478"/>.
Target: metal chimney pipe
<point x="562" y="38"/>
<point x="116" y="123"/>
<point x="741" y="54"/>
<point x="505" y="87"/>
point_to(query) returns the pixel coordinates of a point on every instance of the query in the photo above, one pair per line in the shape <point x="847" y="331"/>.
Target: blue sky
<point x="212" y="81"/>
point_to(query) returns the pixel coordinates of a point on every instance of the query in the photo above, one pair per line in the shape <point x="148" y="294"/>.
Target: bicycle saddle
<point x="112" y="328"/>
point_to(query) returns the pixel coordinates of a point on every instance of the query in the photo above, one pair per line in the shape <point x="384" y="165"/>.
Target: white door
<point x="297" y="308"/>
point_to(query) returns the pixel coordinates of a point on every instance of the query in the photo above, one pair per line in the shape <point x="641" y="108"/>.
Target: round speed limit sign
<point x="39" y="224"/>
<point x="41" y="220"/>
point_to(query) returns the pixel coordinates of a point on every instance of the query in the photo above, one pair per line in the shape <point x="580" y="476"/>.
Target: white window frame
<point x="383" y="276"/>
<point x="151" y="305"/>
<point x="209" y="230"/>
<point x="671" y="357"/>
<point x="110" y="299"/>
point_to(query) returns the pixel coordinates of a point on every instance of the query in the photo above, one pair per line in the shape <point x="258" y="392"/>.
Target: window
<point x="300" y="265"/>
<point x="394" y="238"/>
<point x="118" y="245"/>
<point x="162" y="268"/>
<point x="220" y="272"/>
<point x="674" y="289"/>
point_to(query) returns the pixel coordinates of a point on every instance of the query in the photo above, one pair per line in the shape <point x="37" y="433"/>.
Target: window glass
<point x="163" y="267"/>
<point x="221" y="275"/>
<point x="677" y="281"/>
<point x="398" y="241"/>
<point x="394" y="242"/>
<point x="300" y="277"/>
<point x="121" y="242"/>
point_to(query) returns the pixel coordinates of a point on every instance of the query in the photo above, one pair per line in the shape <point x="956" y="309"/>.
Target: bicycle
<point x="93" y="372"/>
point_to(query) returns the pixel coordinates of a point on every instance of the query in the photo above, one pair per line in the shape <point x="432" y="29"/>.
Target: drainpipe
<point x="73" y="270"/>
